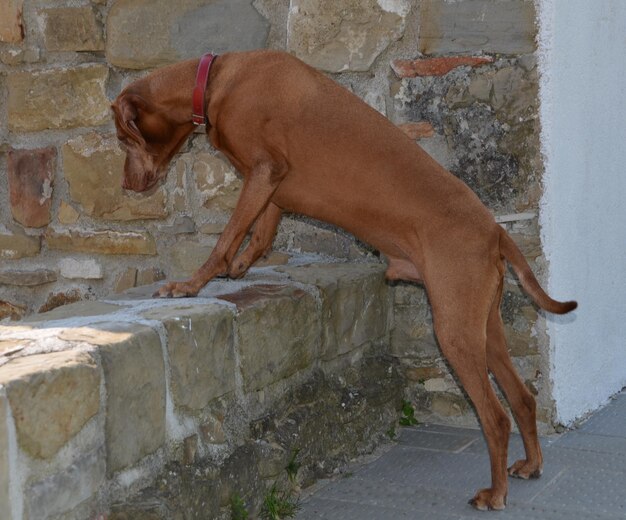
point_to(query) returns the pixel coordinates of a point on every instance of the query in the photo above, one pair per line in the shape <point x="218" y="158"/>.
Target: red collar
<point x="199" y="100"/>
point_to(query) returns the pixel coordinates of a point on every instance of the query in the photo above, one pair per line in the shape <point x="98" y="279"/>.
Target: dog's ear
<point x="126" y="109"/>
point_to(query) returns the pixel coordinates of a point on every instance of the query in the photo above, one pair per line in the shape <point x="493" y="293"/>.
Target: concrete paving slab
<point x="433" y="470"/>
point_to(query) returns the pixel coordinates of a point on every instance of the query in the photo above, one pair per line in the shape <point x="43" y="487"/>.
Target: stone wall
<point x="163" y="409"/>
<point x="458" y="77"/>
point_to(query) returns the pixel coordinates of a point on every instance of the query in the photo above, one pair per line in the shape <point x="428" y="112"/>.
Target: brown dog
<point x="304" y="144"/>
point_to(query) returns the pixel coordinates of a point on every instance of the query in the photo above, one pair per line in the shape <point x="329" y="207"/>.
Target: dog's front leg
<point x="261" y="240"/>
<point x="258" y="187"/>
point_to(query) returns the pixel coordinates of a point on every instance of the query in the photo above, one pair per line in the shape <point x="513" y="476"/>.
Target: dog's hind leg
<point x="521" y="400"/>
<point x="461" y="304"/>
<point x="261" y="240"/>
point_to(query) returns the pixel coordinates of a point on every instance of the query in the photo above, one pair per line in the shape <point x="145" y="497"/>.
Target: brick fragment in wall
<point x="10" y="310"/>
<point x="417" y="130"/>
<point x="72" y="29"/>
<point x="11" y="21"/>
<point x="57" y="98"/>
<point x="31" y="179"/>
<point x="436" y="66"/>
<point x="477" y="26"/>
<point x="59" y="299"/>
<point x="349" y="35"/>
<point x="101" y="242"/>
<point x="29" y="278"/>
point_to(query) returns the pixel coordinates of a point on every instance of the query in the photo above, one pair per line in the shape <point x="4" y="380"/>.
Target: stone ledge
<point x="101" y="397"/>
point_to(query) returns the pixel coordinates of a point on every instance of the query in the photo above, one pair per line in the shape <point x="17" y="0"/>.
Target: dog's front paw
<point x="177" y="290"/>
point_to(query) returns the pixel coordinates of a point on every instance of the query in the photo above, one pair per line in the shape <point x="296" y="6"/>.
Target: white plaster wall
<point x="582" y="52"/>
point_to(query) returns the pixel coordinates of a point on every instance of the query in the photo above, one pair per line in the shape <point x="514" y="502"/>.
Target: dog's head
<point x="149" y="137"/>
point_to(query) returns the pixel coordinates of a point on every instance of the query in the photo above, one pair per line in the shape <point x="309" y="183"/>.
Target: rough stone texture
<point x="93" y="165"/>
<point x="101" y="242"/>
<point x="57" y="98"/>
<point x="215" y="180"/>
<point x="63" y="491"/>
<point x="67" y="214"/>
<point x="72" y="29"/>
<point x="132" y="361"/>
<point x="489" y="120"/>
<point x="328" y="417"/>
<point x="18" y="245"/>
<point x="355" y="304"/>
<point x="277" y="332"/>
<point x="188" y="256"/>
<point x="11" y="21"/>
<point x="87" y="269"/>
<point x="435" y="66"/>
<point x="31" y="178"/>
<point x="201" y="356"/>
<point x="495" y="26"/>
<point x="179" y="30"/>
<point x="349" y="35"/>
<point x="52" y="396"/>
<point x="27" y="278"/>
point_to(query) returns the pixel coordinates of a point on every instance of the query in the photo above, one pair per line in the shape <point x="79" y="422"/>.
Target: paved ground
<point x="433" y="470"/>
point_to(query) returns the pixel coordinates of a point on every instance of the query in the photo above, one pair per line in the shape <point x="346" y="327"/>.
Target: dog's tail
<point x="511" y="252"/>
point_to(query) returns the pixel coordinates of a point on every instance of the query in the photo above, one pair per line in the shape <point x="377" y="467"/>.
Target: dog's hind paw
<point x="525" y="470"/>
<point x="488" y="500"/>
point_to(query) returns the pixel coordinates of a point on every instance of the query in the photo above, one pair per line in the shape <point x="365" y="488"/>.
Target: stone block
<point x="101" y="242"/>
<point x="134" y="375"/>
<point x="278" y="332"/>
<point x="180" y="30"/>
<point x="57" y="98"/>
<point x="5" y="468"/>
<point x="412" y="333"/>
<point x="85" y="268"/>
<point x="11" y="22"/>
<point x="216" y="182"/>
<point x="436" y="66"/>
<point x="355" y="303"/>
<point x="63" y="491"/>
<point x="75" y="310"/>
<point x="27" y="278"/>
<point x="126" y="280"/>
<point x="188" y="256"/>
<point x="67" y="214"/>
<point x="51" y="396"/>
<point x="31" y="177"/>
<point x="200" y="347"/>
<point x="18" y="245"/>
<point x="349" y="35"/>
<point x="93" y="166"/>
<point x="72" y="29"/>
<point x="472" y="26"/>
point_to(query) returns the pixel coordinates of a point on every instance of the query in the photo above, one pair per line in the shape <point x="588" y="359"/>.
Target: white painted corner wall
<point x="582" y="57"/>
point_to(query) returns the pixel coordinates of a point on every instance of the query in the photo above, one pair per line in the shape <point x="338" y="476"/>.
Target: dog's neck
<point x="169" y="91"/>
